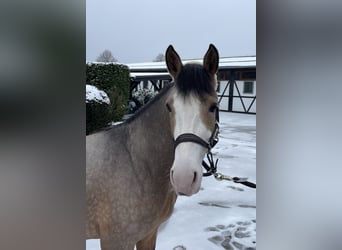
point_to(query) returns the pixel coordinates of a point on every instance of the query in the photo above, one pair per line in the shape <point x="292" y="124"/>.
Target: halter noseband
<point x="189" y="137"/>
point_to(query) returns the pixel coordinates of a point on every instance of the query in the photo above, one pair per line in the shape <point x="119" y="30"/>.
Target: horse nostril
<point x="194" y="179"/>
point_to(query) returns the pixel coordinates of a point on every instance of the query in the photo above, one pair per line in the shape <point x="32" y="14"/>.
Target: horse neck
<point x="151" y="138"/>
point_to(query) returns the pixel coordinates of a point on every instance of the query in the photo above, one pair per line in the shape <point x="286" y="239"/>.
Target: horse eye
<point x="213" y="108"/>
<point x="168" y="107"/>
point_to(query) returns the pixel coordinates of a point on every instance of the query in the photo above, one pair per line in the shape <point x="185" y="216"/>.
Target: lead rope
<point x="212" y="170"/>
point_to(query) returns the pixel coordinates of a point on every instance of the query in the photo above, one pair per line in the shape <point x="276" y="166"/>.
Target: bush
<point x="115" y="81"/>
<point x="142" y="96"/>
<point x="97" y="109"/>
<point x="98" y="116"/>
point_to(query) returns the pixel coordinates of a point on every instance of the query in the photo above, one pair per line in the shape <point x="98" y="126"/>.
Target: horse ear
<point x="211" y="60"/>
<point x="173" y="62"/>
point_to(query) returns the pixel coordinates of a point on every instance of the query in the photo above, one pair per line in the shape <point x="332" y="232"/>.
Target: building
<point x="236" y="81"/>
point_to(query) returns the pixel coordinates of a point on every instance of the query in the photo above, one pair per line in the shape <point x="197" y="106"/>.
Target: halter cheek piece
<point x="189" y="137"/>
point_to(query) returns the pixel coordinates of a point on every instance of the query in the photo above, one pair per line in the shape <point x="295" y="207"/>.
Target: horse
<point x="136" y="170"/>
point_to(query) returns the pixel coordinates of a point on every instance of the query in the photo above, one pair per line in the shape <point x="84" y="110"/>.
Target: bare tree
<point x="106" y="56"/>
<point x="159" y="58"/>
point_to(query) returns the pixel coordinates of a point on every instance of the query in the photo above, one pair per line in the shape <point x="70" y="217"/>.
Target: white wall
<point x="237" y="105"/>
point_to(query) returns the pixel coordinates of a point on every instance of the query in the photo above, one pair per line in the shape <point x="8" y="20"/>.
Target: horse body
<point x="135" y="170"/>
<point x="128" y="179"/>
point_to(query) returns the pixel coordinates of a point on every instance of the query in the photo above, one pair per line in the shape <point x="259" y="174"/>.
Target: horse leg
<point x="149" y="242"/>
<point x="113" y="244"/>
<point x="109" y="240"/>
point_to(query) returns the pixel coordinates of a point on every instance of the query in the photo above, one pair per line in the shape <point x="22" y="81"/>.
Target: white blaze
<point x="186" y="172"/>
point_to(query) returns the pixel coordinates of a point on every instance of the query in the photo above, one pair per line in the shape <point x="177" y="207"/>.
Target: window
<point x="249" y="75"/>
<point x="248" y="87"/>
<point x="221" y="75"/>
<point x="145" y="84"/>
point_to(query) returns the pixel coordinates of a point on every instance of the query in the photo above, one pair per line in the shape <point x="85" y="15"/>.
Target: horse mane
<point x="194" y="78"/>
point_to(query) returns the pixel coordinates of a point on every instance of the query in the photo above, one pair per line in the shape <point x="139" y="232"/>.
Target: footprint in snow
<point x="230" y="236"/>
<point x="179" y="248"/>
<point x="212" y="204"/>
<point x="236" y="188"/>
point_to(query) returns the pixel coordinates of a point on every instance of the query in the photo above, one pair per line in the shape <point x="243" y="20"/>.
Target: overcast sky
<point x="138" y="30"/>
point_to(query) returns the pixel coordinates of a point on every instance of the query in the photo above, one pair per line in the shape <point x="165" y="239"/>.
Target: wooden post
<point x="231" y="91"/>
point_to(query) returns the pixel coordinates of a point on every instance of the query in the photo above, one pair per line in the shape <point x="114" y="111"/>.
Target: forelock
<point x="193" y="78"/>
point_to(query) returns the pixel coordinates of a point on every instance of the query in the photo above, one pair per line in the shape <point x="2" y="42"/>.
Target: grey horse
<point x="134" y="172"/>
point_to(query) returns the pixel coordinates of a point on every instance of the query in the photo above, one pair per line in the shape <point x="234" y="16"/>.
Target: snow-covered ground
<point x="223" y="214"/>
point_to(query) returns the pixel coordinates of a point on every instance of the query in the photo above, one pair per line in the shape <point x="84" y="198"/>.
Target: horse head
<point x="192" y="106"/>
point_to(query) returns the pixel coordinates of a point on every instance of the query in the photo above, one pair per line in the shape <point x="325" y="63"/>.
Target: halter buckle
<point x="215" y="136"/>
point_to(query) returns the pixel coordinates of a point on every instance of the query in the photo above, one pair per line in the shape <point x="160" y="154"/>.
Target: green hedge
<point x="98" y="116"/>
<point x="115" y="81"/>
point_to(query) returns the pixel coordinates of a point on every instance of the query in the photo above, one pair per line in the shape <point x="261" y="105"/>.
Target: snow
<point x="223" y="214"/>
<point x="94" y="94"/>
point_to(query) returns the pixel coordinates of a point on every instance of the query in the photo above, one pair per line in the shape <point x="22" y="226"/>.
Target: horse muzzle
<point x="185" y="181"/>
